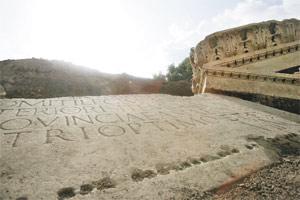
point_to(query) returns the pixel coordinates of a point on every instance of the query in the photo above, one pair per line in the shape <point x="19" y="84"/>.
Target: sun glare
<point x="115" y="36"/>
<point x="92" y="34"/>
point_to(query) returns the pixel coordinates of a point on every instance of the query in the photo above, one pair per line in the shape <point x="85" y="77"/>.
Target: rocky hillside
<point x="40" y="78"/>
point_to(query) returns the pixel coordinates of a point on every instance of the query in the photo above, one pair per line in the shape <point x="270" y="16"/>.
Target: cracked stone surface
<point x="135" y="146"/>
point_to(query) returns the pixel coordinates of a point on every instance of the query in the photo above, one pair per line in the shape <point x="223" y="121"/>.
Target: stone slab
<point x="130" y="146"/>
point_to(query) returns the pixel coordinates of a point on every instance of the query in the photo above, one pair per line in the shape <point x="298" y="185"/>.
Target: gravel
<point x="278" y="181"/>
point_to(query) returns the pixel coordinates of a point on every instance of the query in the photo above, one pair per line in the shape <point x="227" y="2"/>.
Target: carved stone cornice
<point x="255" y="56"/>
<point x="246" y="41"/>
<point x="253" y="77"/>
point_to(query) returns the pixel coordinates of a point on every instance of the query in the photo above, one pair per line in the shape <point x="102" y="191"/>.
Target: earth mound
<point x="40" y="78"/>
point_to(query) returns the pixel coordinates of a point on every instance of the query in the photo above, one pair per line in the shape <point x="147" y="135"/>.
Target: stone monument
<point x="135" y="146"/>
<point x="256" y="59"/>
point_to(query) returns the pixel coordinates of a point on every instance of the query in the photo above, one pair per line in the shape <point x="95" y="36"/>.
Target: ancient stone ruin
<point x="159" y="146"/>
<point x="256" y="59"/>
<point x="135" y="146"/>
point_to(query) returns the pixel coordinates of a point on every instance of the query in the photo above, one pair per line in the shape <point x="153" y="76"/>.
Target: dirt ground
<point x="278" y="181"/>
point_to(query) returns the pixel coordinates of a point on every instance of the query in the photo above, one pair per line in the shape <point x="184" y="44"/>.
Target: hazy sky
<point x="139" y="37"/>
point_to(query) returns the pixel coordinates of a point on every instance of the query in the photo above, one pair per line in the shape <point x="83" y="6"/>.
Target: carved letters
<point x="36" y="122"/>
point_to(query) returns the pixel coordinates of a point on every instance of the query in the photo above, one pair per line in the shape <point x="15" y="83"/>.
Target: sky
<point x="137" y="37"/>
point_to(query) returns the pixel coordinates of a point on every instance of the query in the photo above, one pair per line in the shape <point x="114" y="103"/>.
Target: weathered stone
<point x="245" y="40"/>
<point x="2" y="91"/>
<point x="256" y="59"/>
<point x="134" y="146"/>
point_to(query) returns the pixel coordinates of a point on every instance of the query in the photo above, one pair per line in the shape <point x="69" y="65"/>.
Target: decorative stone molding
<point x="256" y="56"/>
<point x="252" y="77"/>
<point x="243" y="45"/>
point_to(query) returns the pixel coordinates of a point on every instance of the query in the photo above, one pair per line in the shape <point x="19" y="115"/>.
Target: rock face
<point x="254" y="60"/>
<point x="135" y="146"/>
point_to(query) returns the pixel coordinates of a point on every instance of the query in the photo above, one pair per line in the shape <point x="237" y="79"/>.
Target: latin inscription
<point x="88" y="118"/>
